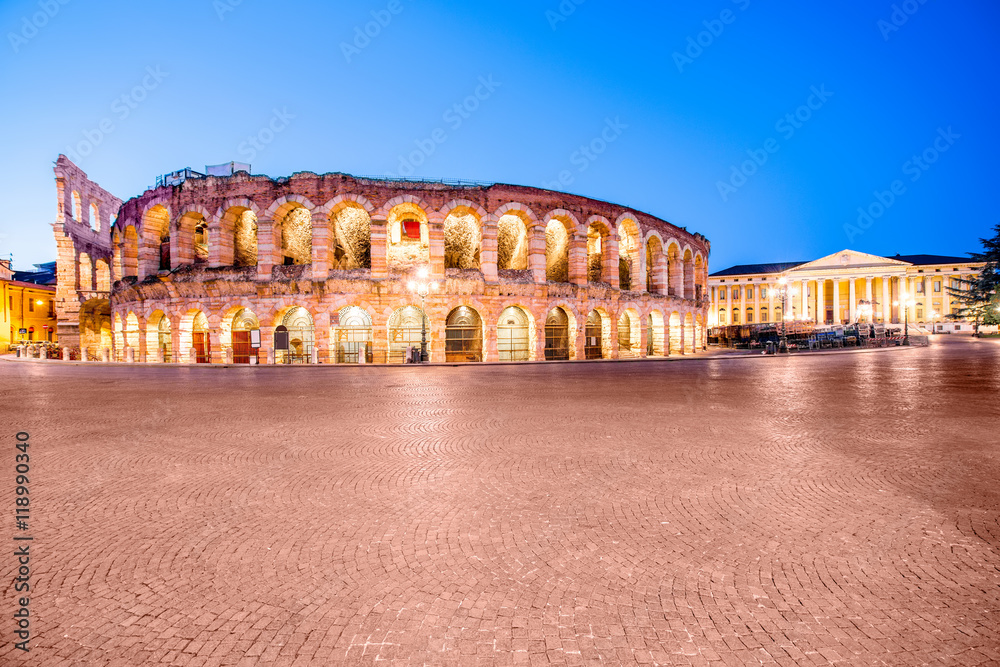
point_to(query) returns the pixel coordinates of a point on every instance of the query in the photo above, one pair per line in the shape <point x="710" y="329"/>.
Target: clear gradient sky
<point x="648" y="104"/>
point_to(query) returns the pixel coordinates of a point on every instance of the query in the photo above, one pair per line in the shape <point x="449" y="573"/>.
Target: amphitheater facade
<point x="203" y="270"/>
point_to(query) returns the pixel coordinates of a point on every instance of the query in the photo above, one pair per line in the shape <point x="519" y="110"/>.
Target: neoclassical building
<point x="204" y="268"/>
<point x="844" y="287"/>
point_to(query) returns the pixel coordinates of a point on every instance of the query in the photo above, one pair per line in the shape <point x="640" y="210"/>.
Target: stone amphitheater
<point x="211" y="268"/>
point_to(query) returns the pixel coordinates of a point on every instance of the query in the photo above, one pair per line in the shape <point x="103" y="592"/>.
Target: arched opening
<point x="513" y="335"/>
<point x="722" y="317"/>
<point x="244" y="323"/>
<point x="654" y="266"/>
<point x="462" y="239"/>
<point x="201" y="242"/>
<point x="406" y="327"/>
<point x="86" y="279"/>
<point x="352" y="337"/>
<point x="132" y="334"/>
<point x="628" y="335"/>
<point x="557" y="238"/>
<point x="512" y="243"/>
<point x="597" y="246"/>
<point x="239" y="224"/>
<point x="95" y="217"/>
<point x="699" y="331"/>
<point x="186" y="246"/>
<point x="557" y="335"/>
<point x="700" y="276"/>
<point x="95" y="328"/>
<point x="155" y="241"/>
<point x="159" y="337"/>
<point x="675" y="334"/>
<point x="200" y="339"/>
<point x="298" y="323"/>
<point x="103" y="274"/>
<point x="464" y="335"/>
<point x="130" y="252"/>
<point x="628" y="254"/>
<point x="654" y="335"/>
<point x="689" y="334"/>
<point x="675" y="270"/>
<point x="594" y="333"/>
<point x="351" y="227"/>
<point x="688" y="274"/>
<point x="409" y="237"/>
<point x="76" y="210"/>
<point x="295" y="229"/>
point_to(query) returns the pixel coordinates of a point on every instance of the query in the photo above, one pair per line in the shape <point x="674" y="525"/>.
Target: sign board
<point x="255" y="338"/>
<point x="335" y="320"/>
<point x="22" y="331"/>
<point x="281" y="338"/>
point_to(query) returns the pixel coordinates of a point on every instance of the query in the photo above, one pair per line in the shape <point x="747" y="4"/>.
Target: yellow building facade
<point x="27" y="312"/>
<point x="841" y="288"/>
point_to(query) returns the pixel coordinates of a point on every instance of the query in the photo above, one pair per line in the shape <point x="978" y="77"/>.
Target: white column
<point x="821" y="301"/>
<point x="852" y="304"/>
<point x="743" y="305"/>
<point x="945" y="295"/>
<point x="770" y="302"/>
<point x="729" y="305"/>
<point x="756" y="302"/>
<point x="836" y="301"/>
<point x="886" y="302"/>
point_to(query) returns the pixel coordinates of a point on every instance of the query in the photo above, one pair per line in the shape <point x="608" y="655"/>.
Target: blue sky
<point x="677" y="109"/>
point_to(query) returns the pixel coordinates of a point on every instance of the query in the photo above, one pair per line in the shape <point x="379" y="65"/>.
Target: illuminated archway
<point x="464" y="335"/>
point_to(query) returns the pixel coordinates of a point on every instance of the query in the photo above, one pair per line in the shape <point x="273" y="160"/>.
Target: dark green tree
<point x="979" y="296"/>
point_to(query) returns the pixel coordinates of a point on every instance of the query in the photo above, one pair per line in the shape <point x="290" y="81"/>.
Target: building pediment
<point x="845" y="260"/>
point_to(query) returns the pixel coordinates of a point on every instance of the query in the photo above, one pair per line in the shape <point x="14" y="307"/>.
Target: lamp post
<point x="783" y="289"/>
<point x="422" y="287"/>
<point x="906" y="302"/>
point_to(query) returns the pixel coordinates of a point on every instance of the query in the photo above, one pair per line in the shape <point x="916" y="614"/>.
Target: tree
<point x="979" y="296"/>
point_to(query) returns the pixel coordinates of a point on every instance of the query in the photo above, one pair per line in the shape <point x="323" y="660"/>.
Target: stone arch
<point x="95" y="217"/>
<point x="159" y="336"/>
<point x="675" y="334"/>
<point x="292" y="230"/>
<point x="191" y="237"/>
<point x="516" y="334"/>
<point x="463" y="236"/>
<point x="629" y="333"/>
<point x="154" y="248"/>
<point x="464" y="335"/>
<point x="514" y="228"/>
<point x="560" y="327"/>
<point x="629" y="252"/>
<point x="407" y="235"/>
<point x="406" y="328"/>
<point x="130" y="252"/>
<point x="95" y="328"/>
<point x="195" y="334"/>
<point x="656" y="344"/>
<point x="77" y="206"/>
<point x="688" y="259"/>
<point x="132" y="336"/>
<point x="688" y="333"/>
<point x="350" y="233"/>
<point x="102" y="275"/>
<point x="700" y="277"/>
<point x="301" y="326"/>
<point x="85" y="273"/>
<point x="599" y="249"/>
<point x="520" y="210"/>
<point x="234" y="227"/>
<point x="656" y="262"/>
<point x="597" y="332"/>
<point x="352" y="337"/>
<point x="675" y="270"/>
<point x="558" y="239"/>
<point x="699" y="331"/>
<point x="346" y="199"/>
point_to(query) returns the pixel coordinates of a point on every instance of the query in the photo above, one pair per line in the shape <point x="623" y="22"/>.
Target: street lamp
<point x="422" y="287"/>
<point x="783" y="289"/>
<point x="907" y="303"/>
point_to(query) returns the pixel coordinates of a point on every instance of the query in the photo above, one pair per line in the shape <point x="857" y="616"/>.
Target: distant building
<point x="844" y="287"/>
<point x="28" y="311"/>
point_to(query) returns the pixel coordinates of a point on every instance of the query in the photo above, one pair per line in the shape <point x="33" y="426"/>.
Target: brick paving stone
<point x="838" y="509"/>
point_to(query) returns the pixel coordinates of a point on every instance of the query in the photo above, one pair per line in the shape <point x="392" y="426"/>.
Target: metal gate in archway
<point x="513" y="335"/>
<point x="353" y="336"/>
<point x="299" y="323"/>
<point x="593" y="346"/>
<point x="243" y="323"/>
<point x="464" y="336"/>
<point x="557" y="335"/>
<point x="405" y="331"/>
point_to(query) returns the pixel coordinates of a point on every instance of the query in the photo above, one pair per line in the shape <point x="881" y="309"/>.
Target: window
<point x="920" y="313"/>
<point x="722" y="294"/>
<point x="763" y="292"/>
<point x="937" y="286"/>
<point x="749" y="316"/>
<point x="736" y="317"/>
<point x="52" y="308"/>
<point x="920" y="287"/>
<point x="736" y="293"/>
<point x="763" y="315"/>
<point x="749" y="292"/>
<point x="722" y="316"/>
<point x="31" y="305"/>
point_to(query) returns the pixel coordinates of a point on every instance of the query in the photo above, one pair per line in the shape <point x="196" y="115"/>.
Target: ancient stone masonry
<point x="521" y="273"/>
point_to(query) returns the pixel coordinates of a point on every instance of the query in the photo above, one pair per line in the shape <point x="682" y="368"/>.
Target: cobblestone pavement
<point x="792" y="511"/>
